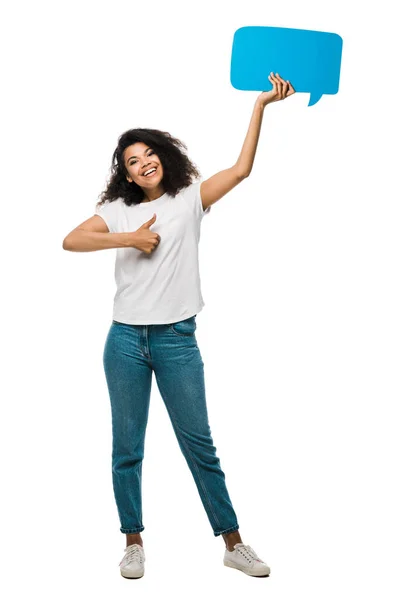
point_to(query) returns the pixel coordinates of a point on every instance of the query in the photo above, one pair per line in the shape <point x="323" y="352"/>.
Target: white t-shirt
<point x="164" y="286"/>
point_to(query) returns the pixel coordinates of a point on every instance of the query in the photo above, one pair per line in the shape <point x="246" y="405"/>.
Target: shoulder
<point x="192" y="192"/>
<point x="191" y="189"/>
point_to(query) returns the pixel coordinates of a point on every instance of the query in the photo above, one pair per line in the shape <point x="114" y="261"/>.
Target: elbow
<point x="242" y="174"/>
<point x="66" y="244"/>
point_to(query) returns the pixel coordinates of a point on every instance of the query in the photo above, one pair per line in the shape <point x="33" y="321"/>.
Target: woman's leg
<point x="179" y="372"/>
<point x="129" y="376"/>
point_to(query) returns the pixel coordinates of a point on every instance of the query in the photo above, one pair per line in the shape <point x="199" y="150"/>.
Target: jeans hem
<point x="132" y="530"/>
<point x="229" y="530"/>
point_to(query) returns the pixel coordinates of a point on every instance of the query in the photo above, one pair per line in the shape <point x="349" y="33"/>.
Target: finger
<point x="272" y="80"/>
<point x="150" y="221"/>
<point x="284" y="84"/>
<point x="278" y="86"/>
<point x="291" y="89"/>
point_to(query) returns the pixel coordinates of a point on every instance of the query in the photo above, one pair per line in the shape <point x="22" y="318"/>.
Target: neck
<point x="150" y="195"/>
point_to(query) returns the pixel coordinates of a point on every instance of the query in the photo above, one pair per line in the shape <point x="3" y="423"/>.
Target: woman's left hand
<point x="281" y="90"/>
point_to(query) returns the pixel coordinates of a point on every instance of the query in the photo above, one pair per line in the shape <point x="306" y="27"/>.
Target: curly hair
<point x="178" y="169"/>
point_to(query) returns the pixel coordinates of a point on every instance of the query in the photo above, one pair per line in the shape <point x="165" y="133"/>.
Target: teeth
<point x="150" y="171"/>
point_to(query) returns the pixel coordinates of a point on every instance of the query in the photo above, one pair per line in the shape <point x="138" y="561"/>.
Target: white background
<point x="299" y="335"/>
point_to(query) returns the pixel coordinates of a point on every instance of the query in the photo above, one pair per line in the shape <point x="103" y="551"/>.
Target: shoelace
<point x="249" y="551"/>
<point x="132" y="553"/>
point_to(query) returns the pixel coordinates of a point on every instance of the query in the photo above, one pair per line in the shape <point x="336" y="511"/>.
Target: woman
<point x="152" y="212"/>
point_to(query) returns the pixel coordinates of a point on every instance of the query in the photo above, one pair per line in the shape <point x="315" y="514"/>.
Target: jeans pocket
<point x="187" y="327"/>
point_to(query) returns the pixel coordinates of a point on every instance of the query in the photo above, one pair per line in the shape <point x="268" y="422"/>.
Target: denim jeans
<point x="131" y="354"/>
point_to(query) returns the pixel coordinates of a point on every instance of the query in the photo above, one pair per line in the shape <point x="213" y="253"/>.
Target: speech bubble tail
<point x="314" y="98"/>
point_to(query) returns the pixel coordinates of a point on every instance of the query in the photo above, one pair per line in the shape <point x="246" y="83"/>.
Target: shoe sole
<point x="227" y="563"/>
<point x="130" y="576"/>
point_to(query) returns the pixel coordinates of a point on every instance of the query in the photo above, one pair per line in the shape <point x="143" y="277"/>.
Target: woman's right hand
<point x="281" y="89"/>
<point x="144" y="239"/>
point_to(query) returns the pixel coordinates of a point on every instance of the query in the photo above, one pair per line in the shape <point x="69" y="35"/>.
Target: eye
<point x="135" y="161"/>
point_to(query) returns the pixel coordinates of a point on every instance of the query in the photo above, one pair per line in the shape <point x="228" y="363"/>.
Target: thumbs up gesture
<point x="144" y="239"/>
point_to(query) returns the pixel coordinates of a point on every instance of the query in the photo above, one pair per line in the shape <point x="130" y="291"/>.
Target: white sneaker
<point x="245" y="559"/>
<point x="132" y="565"/>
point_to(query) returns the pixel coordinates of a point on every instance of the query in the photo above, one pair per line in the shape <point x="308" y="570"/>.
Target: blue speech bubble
<point x="310" y="60"/>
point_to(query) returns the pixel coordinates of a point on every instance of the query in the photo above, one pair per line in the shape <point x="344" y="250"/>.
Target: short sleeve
<point x="109" y="212"/>
<point x="195" y="197"/>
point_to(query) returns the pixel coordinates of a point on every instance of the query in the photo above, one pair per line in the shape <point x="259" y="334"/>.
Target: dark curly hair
<point x="178" y="168"/>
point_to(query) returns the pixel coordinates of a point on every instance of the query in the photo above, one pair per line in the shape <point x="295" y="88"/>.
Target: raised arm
<point x="221" y="183"/>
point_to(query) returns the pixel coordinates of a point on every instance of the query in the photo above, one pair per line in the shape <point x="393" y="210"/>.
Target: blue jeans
<point x="131" y="354"/>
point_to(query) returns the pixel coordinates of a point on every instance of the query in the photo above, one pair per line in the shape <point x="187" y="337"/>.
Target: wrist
<point x="260" y="104"/>
<point x="128" y="239"/>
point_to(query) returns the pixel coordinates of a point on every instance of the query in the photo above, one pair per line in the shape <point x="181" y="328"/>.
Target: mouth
<point x="150" y="172"/>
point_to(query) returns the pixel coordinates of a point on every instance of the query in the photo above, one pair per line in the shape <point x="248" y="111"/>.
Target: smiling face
<point x="144" y="167"/>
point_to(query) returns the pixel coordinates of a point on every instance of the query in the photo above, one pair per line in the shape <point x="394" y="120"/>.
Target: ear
<point x="129" y="179"/>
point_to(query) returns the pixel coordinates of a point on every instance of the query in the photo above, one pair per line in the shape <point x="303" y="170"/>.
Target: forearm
<point x="81" y="240"/>
<point x="245" y="161"/>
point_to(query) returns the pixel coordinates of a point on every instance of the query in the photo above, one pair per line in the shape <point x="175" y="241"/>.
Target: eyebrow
<point x="136" y="156"/>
